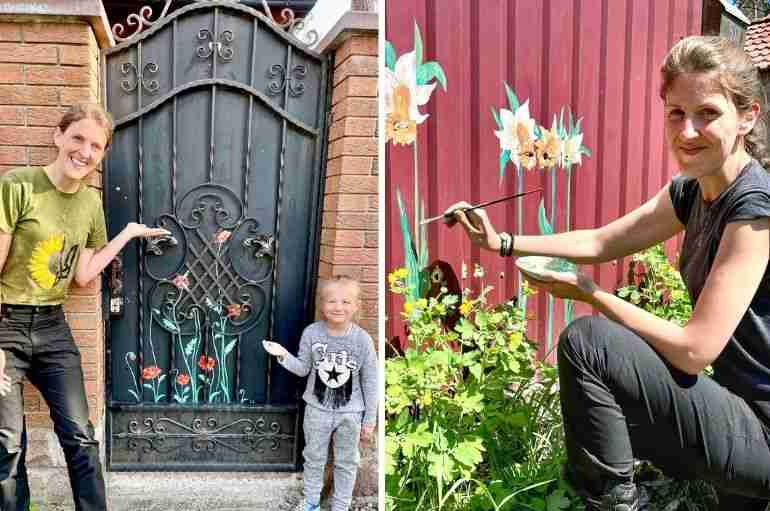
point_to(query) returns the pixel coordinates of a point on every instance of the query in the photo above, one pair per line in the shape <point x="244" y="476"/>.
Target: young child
<point x="341" y="392"/>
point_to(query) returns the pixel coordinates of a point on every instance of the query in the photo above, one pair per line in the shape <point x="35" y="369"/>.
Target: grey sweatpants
<point x="319" y="428"/>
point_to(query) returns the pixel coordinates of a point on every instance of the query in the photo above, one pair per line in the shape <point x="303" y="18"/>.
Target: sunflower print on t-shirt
<point x="51" y="262"/>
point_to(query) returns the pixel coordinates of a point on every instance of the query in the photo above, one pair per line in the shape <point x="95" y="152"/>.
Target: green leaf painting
<point x="390" y="56"/>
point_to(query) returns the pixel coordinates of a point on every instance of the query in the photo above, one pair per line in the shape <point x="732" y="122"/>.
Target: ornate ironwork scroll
<point x="289" y="22"/>
<point x="292" y="24"/>
<point x="242" y="436"/>
<point x="293" y="81"/>
<point x="150" y="85"/>
<point x="208" y="291"/>
<point x="224" y="49"/>
<point x="141" y="21"/>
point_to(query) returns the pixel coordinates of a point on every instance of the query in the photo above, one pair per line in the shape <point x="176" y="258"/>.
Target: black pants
<point x="38" y="344"/>
<point x="621" y="400"/>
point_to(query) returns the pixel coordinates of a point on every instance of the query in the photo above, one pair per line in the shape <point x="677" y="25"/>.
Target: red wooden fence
<point x="598" y="58"/>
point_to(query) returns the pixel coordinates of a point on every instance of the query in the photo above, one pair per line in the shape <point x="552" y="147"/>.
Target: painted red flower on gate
<point x="181" y="282"/>
<point x="183" y="379"/>
<point x="234" y="310"/>
<point x="222" y="236"/>
<point x="207" y="363"/>
<point x="150" y="372"/>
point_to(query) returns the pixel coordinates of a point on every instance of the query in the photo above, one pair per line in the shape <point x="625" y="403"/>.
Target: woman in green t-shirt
<point x="52" y="231"/>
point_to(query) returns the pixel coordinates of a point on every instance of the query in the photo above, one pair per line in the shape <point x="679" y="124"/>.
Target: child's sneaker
<point x="306" y="506"/>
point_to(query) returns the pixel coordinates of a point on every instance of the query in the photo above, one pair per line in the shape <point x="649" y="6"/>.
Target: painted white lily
<point x="402" y="97"/>
<point x="571" y="152"/>
<point x="518" y="127"/>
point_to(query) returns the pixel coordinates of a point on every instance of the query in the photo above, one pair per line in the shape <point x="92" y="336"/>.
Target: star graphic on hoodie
<point x="333" y="375"/>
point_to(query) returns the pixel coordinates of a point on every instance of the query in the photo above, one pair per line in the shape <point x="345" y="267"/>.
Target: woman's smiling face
<point x="703" y="125"/>
<point x="81" y="148"/>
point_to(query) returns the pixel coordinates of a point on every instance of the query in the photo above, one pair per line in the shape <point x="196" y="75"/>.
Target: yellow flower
<point x="527" y="155"/>
<point x="517" y="128"/>
<point x="402" y="97"/>
<point x="571" y="154"/>
<point x="44" y="263"/>
<point x="548" y="149"/>
<point x="408" y="307"/>
<point x="466" y="307"/>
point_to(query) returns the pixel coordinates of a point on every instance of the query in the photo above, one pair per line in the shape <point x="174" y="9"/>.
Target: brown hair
<point x="325" y="283"/>
<point x="80" y="111"/>
<point x="735" y="73"/>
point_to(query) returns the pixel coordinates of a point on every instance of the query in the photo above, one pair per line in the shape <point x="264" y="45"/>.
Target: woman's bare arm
<point x="731" y="285"/>
<point x="650" y="223"/>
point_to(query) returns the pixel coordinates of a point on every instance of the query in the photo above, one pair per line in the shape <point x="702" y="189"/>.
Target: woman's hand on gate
<point x="274" y="348"/>
<point x="5" y="380"/>
<point x="476" y="223"/>
<point x="574" y="286"/>
<point x="134" y="230"/>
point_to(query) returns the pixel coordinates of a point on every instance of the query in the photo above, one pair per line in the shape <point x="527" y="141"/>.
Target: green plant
<point x="472" y="419"/>
<point x="656" y="286"/>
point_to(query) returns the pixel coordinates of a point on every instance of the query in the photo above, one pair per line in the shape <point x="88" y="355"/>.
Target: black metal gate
<point x="220" y="139"/>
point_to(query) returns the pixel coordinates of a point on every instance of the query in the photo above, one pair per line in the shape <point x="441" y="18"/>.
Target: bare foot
<point x="5" y="380"/>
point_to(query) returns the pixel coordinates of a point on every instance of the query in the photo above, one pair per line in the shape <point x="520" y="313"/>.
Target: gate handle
<point x="264" y="243"/>
<point x="153" y="245"/>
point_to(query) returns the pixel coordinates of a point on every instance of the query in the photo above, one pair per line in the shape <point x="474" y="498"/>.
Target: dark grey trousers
<point x="621" y="400"/>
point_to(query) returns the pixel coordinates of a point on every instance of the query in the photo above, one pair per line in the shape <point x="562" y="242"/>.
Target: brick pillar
<point x="349" y="230"/>
<point x="44" y="68"/>
<point x="349" y="236"/>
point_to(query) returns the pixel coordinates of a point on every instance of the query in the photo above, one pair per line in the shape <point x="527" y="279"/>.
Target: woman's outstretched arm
<point x="650" y="223"/>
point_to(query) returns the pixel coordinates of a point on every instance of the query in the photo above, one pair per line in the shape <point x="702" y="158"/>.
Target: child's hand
<point x="5" y="380"/>
<point x="367" y="433"/>
<point x="274" y="348"/>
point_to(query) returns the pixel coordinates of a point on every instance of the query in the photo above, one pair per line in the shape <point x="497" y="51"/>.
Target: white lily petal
<point x="406" y="68"/>
<point x="523" y="111"/>
<point x="418" y="117"/>
<point x="507" y="119"/>
<point x="423" y="92"/>
<point x="507" y="140"/>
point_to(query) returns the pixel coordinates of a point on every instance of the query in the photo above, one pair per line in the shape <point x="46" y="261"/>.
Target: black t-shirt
<point x="744" y="364"/>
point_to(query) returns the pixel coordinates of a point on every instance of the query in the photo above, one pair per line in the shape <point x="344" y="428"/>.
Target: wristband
<point x="506" y="244"/>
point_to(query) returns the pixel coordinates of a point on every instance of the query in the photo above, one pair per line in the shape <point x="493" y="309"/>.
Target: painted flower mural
<point x="528" y="145"/>
<point x="207" y="363"/>
<point x="517" y="136"/>
<point x="402" y="97"/>
<point x="196" y="356"/>
<point x="408" y="84"/>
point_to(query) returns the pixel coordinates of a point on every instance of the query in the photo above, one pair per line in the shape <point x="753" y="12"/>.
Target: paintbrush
<point x="449" y="217"/>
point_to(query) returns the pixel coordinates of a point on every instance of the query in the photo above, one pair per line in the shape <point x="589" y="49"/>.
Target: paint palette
<point x="537" y="266"/>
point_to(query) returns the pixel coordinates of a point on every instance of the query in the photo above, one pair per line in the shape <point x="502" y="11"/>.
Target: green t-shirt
<point x="49" y="229"/>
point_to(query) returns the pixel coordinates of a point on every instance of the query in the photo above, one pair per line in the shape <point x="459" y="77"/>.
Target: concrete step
<point x="174" y="491"/>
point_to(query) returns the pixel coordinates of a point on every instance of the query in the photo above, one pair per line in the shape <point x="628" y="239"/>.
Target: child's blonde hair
<point x="325" y="283"/>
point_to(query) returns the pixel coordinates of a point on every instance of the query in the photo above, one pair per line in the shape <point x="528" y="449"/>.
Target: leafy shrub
<point x="656" y="286"/>
<point x="473" y="420"/>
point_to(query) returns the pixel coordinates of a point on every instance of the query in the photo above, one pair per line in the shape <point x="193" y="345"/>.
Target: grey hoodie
<point x="342" y="370"/>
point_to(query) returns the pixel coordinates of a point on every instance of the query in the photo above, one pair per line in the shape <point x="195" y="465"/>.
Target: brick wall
<point x="349" y="229"/>
<point x="44" y="68"/>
